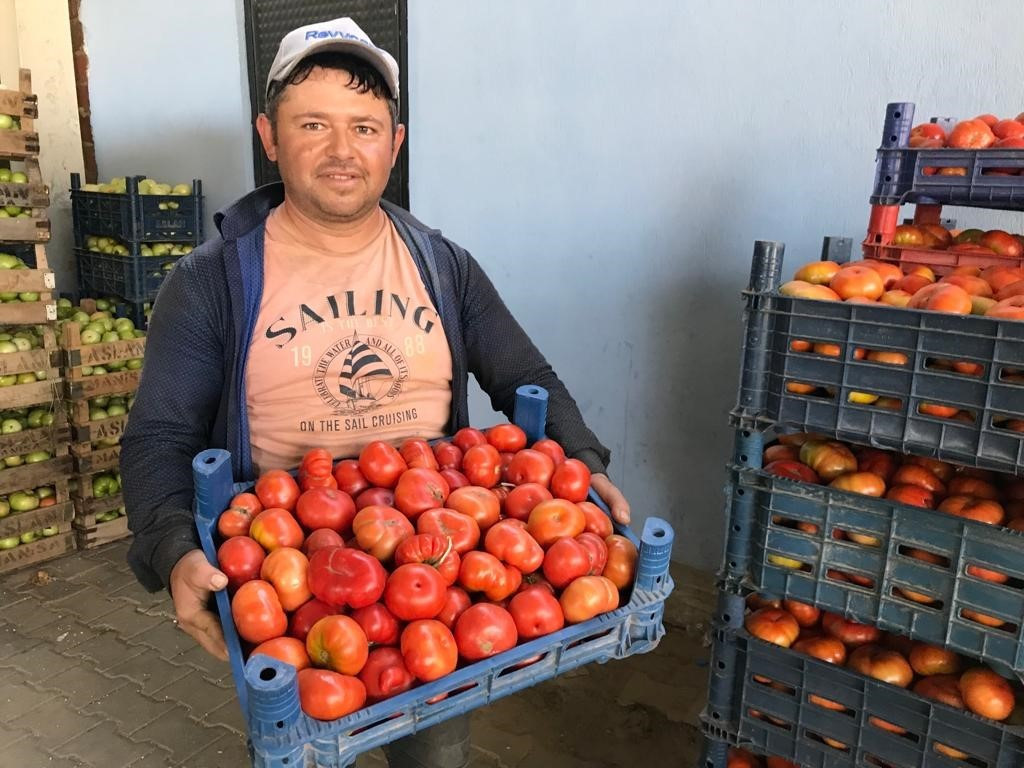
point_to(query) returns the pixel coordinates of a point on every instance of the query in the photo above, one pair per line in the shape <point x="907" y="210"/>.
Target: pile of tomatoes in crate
<point x="930" y="671"/>
<point x="982" y="132"/>
<point x="378" y="573"/>
<point x="996" y="291"/>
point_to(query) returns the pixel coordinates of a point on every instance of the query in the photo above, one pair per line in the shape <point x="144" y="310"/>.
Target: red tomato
<point x="326" y="695"/>
<point x="350" y="478"/>
<point x="477" y="503"/>
<point x="317" y="462"/>
<point x="448" y="455"/>
<point x="571" y="480"/>
<point x="510" y="542"/>
<point x="321" y="538"/>
<point x="418" y="454"/>
<point x="277" y="488"/>
<point x="792" y="470"/>
<point x="534" y="580"/>
<point x="385" y="675"/>
<point x="467" y="437"/>
<point x="419" y="490"/>
<point x="507" y="438"/>
<point x="529" y="466"/>
<point x="484" y="630"/>
<point x="482" y="465"/>
<point x="536" y="612"/>
<point x="378" y="623"/>
<point x="456" y="600"/>
<point x="249" y="501"/>
<point x="337" y="643"/>
<point x="285" y="568"/>
<point x="306" y="616"/>
<point x="383" y="497"/>
<point x="597" y="550"/>
<point x="342" y="576"/>
<point x="454" y="478"/>
<point x="621" y="566"/>
<point x="275" y="527"/>
<point x="257" y="612"/>
<point x="597" y="521"/>
<point x="308" y="481"/>
<point x="483" y="572"/>
<point x="567" y="559"/>
<point x="240" y="558"/>
<point x="506" y="460"/>
<point x="555" y="519"/>
<point x="415" y="591"/>
<point x="286" y="649"/>
<point x="325" y="508"/>
<point x="500" y="493"/>
<point x="551" y="448"/>
<point x="429" y="649"/>
<point x="461" y="529"/>
<point x="587" y="597"/>
<point x="234" y="521"/>
<point x="436" y="551"/>
<point x="381" y="464"/>
<point x="523" y="498"/>
<point x="379" y="531"/>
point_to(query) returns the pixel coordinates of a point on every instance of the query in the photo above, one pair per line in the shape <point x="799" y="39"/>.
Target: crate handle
<point x="273" y="692"/>
<point x="531" y="411"/>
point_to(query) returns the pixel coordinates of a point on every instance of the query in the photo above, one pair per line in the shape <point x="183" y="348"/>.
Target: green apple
<point x="37" y="456"/>
<point x="91" y="336"/>
<point x="9" y="380"/>
<point x="87" y="370"/>
<point x="50" y="530"/>
<point x="23" y="344"/>
<point x="98" y="414"/>
<point x="19" y="178"/>
<point x="12" y="210"/>
<point x="35" y="417"/>
<point x="10" y="426"/>
<point x="10" y="542"/>
<point x="80" y="318"/>
<point x="28" y="537"/>
<point x="27" y="378"/>
<point x="6" y="175"/>
<point x="6" y="123"/>
<point x="8" y="347"/>
<point x="135" y="364"/>
<point x="5" y="508"/>
<point x="116" y="410"/>
<point x="29" y="296"/>
<point x="181" y="189"/>
<point x="40" y="375"/>
<point x="99" y="370"/>
<point x="8" y="261"/>
<point x="109" y="336"/>
<point x="123" y="324"/>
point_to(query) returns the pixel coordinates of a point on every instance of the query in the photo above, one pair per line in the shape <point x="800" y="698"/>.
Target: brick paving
<point x="95" y="674"/>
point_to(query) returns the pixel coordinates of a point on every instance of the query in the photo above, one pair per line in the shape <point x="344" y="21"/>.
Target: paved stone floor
<point x="94" y="674"/>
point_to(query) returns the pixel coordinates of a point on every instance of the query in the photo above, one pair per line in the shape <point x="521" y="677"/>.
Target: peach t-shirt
<point x="347" y="348"/>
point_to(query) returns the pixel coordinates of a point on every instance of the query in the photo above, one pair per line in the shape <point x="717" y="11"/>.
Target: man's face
<point x="334" y="147"/>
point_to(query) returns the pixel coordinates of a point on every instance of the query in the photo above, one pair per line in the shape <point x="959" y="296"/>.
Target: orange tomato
<point x="942" y="297"/>
<point x="857" y="281"/>
<point x="987" y="694"/>
<point x="773" y="625"/>
<point x="553" y="519"/>
<point x="587" y="597"/>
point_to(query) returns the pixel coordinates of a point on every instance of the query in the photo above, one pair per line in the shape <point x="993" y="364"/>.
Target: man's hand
<point x="193" y="580"/>
<point x="611" y="496"/>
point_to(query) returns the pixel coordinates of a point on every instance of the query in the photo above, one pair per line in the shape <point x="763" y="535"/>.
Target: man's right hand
<point x="193" y="580"/>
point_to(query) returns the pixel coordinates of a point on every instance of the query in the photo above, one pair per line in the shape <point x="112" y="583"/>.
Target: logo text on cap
<point x="315" y="34"/>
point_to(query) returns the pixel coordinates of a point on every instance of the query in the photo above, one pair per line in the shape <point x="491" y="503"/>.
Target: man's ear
<point x="266" y="132"/>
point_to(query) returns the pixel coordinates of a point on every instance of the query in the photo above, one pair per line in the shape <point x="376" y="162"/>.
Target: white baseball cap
<point x="341" y="35"/>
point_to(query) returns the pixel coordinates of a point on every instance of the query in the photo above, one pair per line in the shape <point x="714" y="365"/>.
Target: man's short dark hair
<point x="363" y="79"/>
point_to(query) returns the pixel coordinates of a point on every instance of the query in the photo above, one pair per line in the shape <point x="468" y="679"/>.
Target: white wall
<point x="609" y="165"/>
<point x="169" y="94"/>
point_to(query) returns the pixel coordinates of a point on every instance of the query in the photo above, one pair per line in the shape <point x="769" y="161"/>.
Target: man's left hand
<point x="611" y="496"/>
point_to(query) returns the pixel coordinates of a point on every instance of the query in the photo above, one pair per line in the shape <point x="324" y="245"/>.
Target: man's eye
<point x="365" y="130"/>
<point x="314" y="126"/>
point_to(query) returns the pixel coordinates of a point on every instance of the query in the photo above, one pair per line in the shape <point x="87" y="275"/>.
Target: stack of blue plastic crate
<point x="760" y="694"/>
<point x="134" y="220"/>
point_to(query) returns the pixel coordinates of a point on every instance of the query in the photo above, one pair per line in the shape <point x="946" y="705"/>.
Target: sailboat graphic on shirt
<point x="364" y="377"/>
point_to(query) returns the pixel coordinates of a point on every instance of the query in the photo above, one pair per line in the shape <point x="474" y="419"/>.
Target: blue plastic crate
<point x="992" y="400"/>
<point x="759" y="699"/>
<point x="761" y="512"/>
<point x="281" y="735"/>
<point x="133" y="278"/>
<point x="133" y="218"/>
<point x="900" y="171"/>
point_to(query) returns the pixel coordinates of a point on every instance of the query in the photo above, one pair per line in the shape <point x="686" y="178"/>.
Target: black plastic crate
<point x="133" y="218"/>
<point x="766" y="553"/>
<point x="775" y="716"/>
<point x="991" y="401"/>
<point x="900" y="175"/>
<point x="133" y="278"/>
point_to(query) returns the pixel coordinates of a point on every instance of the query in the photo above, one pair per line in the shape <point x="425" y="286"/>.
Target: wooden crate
<point x="101" y="533"/>
<point x="61" y="513"/>
<point x="38" y="551"/>
<point x="34" y="475"/>
<point x="22" y="103"/>
<point x="83" y="430"/>
<point x="39" y="280"/>
<point x="87" y="459"/>
<point x="46" y="393"/>
<point x="34" y="229"/>
<point x="33" y="194"/>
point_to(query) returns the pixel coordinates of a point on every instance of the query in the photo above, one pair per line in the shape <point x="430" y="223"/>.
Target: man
<point x="321" y="316"/>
